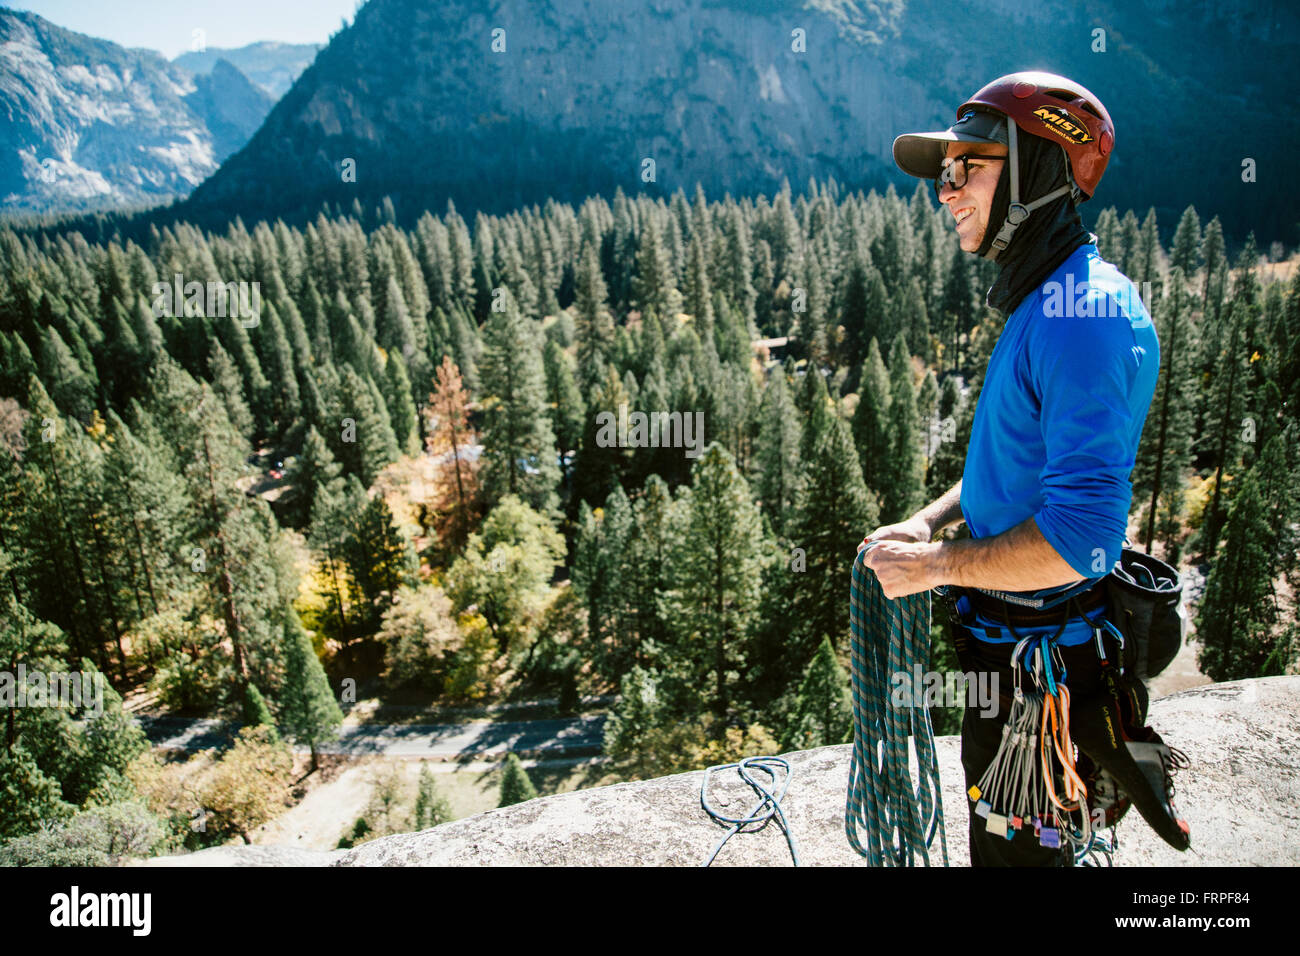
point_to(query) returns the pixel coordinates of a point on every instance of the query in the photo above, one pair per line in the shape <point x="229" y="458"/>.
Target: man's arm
<point x="1018" y="559"/>
<point x="925" y="524"/>
<point x="944" y="511"/>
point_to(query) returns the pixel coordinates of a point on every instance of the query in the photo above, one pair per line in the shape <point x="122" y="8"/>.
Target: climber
<point x="1045" y="490"/>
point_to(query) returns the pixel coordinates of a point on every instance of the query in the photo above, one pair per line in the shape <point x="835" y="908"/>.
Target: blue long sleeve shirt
<point x="1059" y="418"/>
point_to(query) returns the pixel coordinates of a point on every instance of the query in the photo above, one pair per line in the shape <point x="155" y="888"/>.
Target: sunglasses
<point x="956" y="170"/>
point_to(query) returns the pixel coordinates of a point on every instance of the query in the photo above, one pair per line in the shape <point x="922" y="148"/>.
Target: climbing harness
<point x="898" y="817"/>
<point x="768" y="806"/>
<point x="1094" y="755"/>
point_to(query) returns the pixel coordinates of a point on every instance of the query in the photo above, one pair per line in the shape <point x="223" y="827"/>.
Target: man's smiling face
<point x="970" y="205"/>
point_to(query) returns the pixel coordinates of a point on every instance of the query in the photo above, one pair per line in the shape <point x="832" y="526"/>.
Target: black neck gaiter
<point x="1044" y="240"/>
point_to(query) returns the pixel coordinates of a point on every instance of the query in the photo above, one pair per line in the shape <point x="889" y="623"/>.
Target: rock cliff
<point x="1241" y="797"/>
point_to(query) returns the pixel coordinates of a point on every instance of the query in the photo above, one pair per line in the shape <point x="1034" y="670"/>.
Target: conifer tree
<point x="367" y="432"/>
<point x="904" y="470"/>
<point x="833" y="509"/>
<point x="277" y="362"/>
<point x="698" y="299"/>
<point x="818" y="408"/>
<point x="431" y="807"/>
<point x="957" y="309"/>
<point x="593" y="325"/>
<point x="380" y="558"/>
<point x="313" y="469"/>
<point x="308" y="710"/>
<point x="1186" y="251"/>
<point x="1224" y="408"/>
<point x="812" y="325"/>
<point x="1234" y="624"/>
<point x="646" y="574"/>
<point x="256" y="713"/>
<point x="720" y="562"/>
<point x="230" y="551"/>
<point x="735" y="266"/>
<point x="401" y="409"/>
<point x="1166" y="438"/>
<point x="327" y="536"/>
<point x="1212" y="254"/>
<point x="1147" y="264"/>
<point x="856" y="315"/>
<point x="516" y="787"/>
<point x="565" y="404"/>
<point x="653" y="282"/>
<point x="601" y="464"/>
<point x="600" y="560"/>
<point x="226" y="382"/>
<point x="914" y="320"/>
<point x="777" y="452"/>
<point x="68" y="384"/>
<point x="519" y="455"/>
<point x="51" y="528"/>
<point x="824" y="714"/>
<point x="949" y="459"/>
<point x="871" y="420"/>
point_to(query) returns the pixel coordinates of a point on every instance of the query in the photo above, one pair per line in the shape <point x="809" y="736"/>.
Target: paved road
<point x="569" y="736"/>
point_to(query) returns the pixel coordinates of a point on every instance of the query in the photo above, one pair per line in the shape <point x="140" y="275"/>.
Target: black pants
<point x="980" y="737"/>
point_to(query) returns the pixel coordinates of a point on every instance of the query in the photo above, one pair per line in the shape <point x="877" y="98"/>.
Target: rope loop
<point x="768" y="806"/>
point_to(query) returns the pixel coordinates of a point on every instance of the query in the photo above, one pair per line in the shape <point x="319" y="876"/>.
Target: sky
<point x="168" y="25"/>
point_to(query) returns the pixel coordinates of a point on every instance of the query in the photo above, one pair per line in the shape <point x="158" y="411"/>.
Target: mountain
<point x="89" y="125"/>
<point x="579" y="95"/>
<point x="230" y="105"/>
<point x="272" y="66"/>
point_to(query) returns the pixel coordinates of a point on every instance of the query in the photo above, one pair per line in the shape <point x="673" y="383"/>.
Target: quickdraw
<point x="1033" y="780"/>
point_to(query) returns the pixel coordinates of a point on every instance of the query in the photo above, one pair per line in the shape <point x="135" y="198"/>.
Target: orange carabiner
<point x="1060" y="737"/>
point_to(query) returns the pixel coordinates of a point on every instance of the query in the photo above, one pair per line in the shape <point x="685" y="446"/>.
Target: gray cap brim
<point x="921" y="154"/>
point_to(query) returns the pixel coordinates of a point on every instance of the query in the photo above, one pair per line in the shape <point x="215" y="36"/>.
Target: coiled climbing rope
<point x="898" y="817"/>
<point x="768" y="806"/>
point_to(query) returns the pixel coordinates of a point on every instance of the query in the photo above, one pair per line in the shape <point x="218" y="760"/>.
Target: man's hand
<point x="915" y="529"/>
<point x="903" y="567"/>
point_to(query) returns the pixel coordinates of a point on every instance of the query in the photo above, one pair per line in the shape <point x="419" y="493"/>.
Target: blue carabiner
<point x="1046" y="657"/>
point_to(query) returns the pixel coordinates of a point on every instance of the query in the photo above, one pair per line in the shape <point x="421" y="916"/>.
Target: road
<point x="560" y="737"/>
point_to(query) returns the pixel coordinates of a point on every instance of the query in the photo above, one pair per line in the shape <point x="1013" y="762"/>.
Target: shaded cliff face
<point x="573" y="96"/>
<point x="90" y="125"/>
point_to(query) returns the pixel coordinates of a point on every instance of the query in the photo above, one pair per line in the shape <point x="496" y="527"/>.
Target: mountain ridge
<point x="715" y="92"/>
<point x="91" y="125"/>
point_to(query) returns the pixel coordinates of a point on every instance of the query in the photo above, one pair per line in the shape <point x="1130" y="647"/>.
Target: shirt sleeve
<point x="1084" y="368"/>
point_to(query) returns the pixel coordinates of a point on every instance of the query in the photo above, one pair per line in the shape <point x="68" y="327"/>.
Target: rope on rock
<point x="768" y="806"/>
<point x="898" y="818"/>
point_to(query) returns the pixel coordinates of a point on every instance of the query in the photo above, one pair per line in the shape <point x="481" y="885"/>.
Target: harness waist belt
<point x="997" y="608"/>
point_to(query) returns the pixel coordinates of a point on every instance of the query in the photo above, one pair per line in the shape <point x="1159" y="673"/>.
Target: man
<point x="1045" y="490"/>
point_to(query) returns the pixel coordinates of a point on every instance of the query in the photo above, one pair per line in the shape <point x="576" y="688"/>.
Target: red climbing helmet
<point x="1039" y="104"/>
<point x="1058" y="110"/>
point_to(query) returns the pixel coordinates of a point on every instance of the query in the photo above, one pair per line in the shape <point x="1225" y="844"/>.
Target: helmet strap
<point x="1018" y="212"/>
